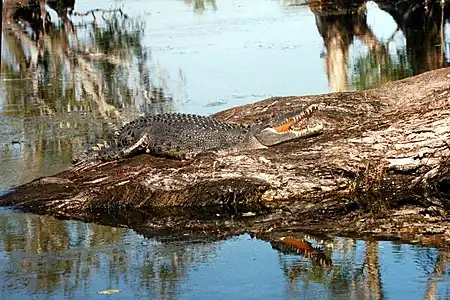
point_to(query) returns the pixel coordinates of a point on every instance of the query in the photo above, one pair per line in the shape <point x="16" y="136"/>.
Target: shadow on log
<point x="380" y="169"/>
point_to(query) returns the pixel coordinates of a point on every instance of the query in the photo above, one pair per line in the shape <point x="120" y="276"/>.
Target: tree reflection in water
<point x="341" y="23"/>
<point x="70" y="86"/>
<point x="362" y="269"/>
<point x="44" y="256"/>
<point x="201" y="5"/>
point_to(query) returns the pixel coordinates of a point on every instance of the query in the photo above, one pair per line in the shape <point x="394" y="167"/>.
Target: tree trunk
<point x="380" y="168"/>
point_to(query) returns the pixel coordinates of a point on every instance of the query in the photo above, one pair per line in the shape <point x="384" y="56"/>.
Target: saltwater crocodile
<point x="184" y="136"/>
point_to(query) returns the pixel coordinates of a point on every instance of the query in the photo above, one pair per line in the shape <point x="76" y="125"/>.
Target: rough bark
<point x="379" y="169"/>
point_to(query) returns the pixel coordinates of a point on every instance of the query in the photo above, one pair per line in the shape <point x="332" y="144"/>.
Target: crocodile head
<point x="288" y="127"/>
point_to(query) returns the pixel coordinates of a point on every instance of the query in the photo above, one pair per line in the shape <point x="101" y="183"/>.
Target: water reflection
<point x="420" y="27"/>
<point x="368" y="270"/>
<point x="90" y="71"/>
<point x="201" y="5"/>
<point x="45" y="257"/>
<point x="69" y="86"/>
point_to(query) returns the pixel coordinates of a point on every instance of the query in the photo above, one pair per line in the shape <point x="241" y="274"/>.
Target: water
<point x="43" y="258"/>
<point x="75" y="87"/>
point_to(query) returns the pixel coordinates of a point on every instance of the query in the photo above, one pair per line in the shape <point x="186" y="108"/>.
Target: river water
<point x="77" y="85"/>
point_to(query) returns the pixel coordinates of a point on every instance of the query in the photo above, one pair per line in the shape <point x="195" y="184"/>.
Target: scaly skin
<point x="185" y="136"/>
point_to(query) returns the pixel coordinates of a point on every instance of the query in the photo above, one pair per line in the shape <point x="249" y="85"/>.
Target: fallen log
<point x="380" y="169"/>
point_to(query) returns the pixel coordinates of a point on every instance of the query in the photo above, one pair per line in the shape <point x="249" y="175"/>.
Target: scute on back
<point x="181" y="135"/>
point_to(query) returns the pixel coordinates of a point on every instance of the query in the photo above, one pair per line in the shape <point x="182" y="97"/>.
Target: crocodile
<point x="186" y="136"/>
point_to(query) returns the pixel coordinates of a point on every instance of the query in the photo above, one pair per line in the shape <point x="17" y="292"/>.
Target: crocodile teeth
<point x="310" y="130"/>
<point x="309" y="111"/>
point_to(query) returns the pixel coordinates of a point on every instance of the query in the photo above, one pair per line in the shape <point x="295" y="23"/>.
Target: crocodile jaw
<point x="270" y="136"/>
<point x="296" y="118"/>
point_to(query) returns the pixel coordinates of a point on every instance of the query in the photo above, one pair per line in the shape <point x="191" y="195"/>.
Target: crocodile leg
<point x="137" y="147"/>
<point x="98" y="158"/>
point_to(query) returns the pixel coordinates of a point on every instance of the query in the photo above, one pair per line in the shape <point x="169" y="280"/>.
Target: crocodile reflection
<point x="303" y="247"/>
